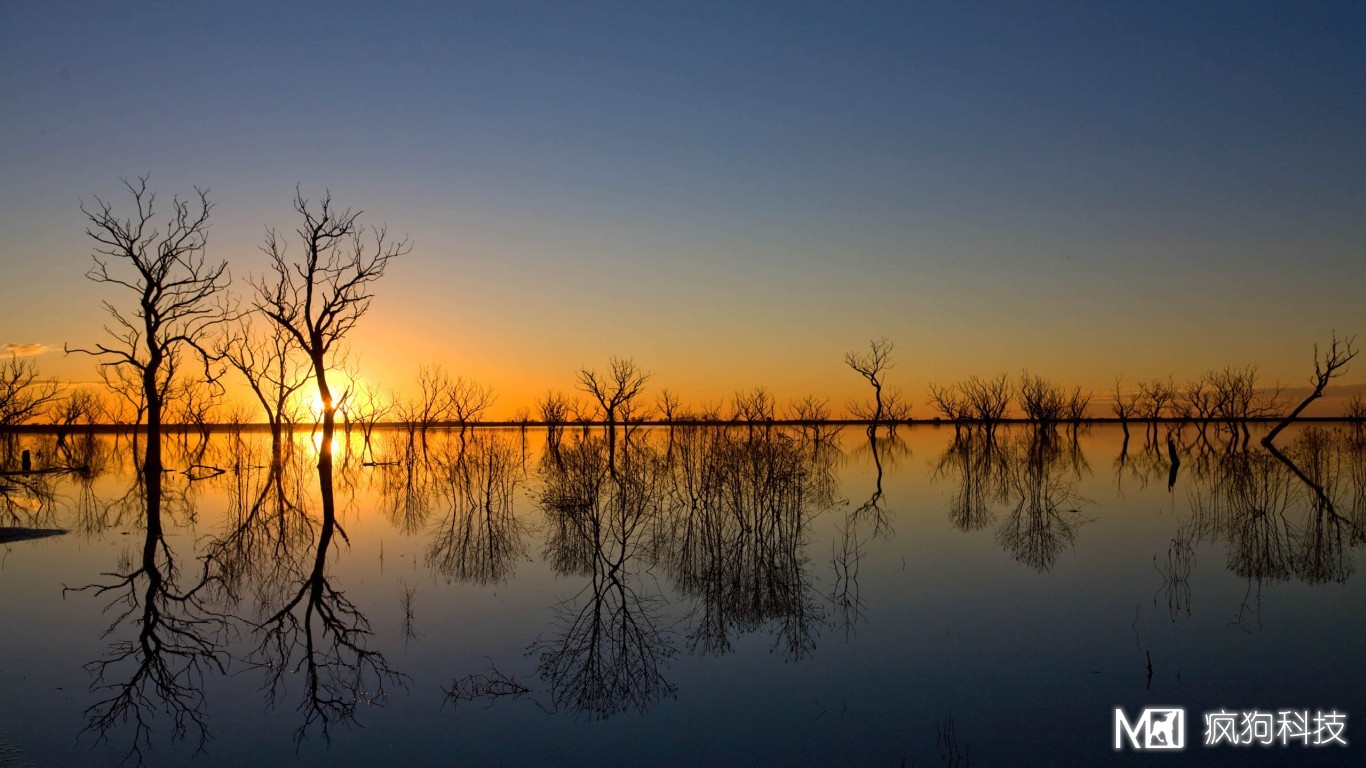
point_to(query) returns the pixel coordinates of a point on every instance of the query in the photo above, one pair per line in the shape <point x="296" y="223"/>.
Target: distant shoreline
<point x="505" y="424"/>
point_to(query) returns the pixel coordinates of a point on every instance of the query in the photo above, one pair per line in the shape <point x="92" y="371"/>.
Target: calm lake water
<point x="696" y="596"/>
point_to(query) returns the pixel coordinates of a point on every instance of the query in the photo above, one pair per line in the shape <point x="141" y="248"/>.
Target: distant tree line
<point x="177" y="330"/>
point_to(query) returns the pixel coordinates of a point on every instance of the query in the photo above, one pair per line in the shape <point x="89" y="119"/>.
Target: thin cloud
<point x="27" y="350"/>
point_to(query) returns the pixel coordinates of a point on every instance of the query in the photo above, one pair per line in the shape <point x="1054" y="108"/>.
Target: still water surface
<point x="695" y="596"/>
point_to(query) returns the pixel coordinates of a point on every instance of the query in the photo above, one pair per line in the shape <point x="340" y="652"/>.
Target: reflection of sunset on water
<point x="828" y="381"/>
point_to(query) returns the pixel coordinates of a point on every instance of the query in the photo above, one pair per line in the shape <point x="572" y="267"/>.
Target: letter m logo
<point x="1157" y="728"/>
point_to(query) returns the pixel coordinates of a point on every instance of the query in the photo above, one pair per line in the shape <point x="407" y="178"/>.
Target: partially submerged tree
<point x="988" y="399"/>
<point x="175" y="302"/>
<point x="1327" y="365"/>
<point x="950" y="402"/>
<point x="79" y="407"/>
<point x="668" y="405"/>
<point x="23" y="395"/>
<point x="872" y="365"/>
<point x="753" y="406"/>
<point x="320" y="296"/>
<point x="1125" y="407"/>
<point x="616" y="390"/>
<point x="468" y="401"/>
<point x="1041" y="400"/>
<point x="615" y="394"/>
<point x="270" y="362"/>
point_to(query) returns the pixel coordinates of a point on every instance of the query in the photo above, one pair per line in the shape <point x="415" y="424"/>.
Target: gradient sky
<point x="733" y="194"/>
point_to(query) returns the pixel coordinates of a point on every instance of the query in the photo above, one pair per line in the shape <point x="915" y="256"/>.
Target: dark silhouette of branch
<point x="176" y="294"/>
<point x="271" y="365"/>
<point x="1327" y="366"/>
<point x="871" y="366"/>
<point x="23" y="396"/>
<point x="319" y="297"/>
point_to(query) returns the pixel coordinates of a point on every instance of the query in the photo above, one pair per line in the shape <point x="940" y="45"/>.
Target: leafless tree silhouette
<point x="668" y="405"/>
<point x="615" y="393"/>
<point x="988" y="399"/>
<point x="1355" y="409"/>
<point x="24" y="396"/>
<point x="754" y="407"/>
<point x="554" y="410"/>
<point x="79" y="407"/>
<point x="1125" y="407"/>
<point x="125" y="403"/>
<point x="271" y="364"/>
<point x="367" y="408"/>
<point x="468" y="401"/>
<point x="1041" y="400"/>
<point x="318" y="298"/>
<point x="1327" y="366"/>
<point x="619" y="387"/>
<point x="951" y="404"/>
<point x="176" y="290"/>
<point x="872" y="366"/>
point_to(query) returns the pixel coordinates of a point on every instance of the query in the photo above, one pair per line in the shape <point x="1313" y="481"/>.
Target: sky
<point x="732" y="194"/>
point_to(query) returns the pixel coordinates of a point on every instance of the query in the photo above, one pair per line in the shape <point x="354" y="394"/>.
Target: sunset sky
<point x="732" y="194"/>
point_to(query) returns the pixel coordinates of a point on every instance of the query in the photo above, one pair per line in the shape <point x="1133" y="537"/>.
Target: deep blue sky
<point x="734" y="194"/>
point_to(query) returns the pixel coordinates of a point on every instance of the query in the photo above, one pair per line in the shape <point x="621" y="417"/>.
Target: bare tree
<point x="554" y="410"/>
<point x="951" y="403"/>
<point x="753" y="406"/>
<point x="368" y="407"/>
<point x="871" y="366"/>
<point x="176" y="291"/>
<point x="988" y="399"/>
<point x="432" y="403"/>
<point x="468" y="401"/>
<point x="1155" y="400"/>
<point x="1355" y="410"/>
<point x="1075" y="407"/>
<point x="23" y="395"/>
<point x="1125" y="407"/>
<point x="1196" y="401"/>
<point x="622" y="384"/>
<point x="271" y="365"/>
<point x="1327" y="365"/>
<point x="195" y="405"/>
<point x="669" y="405"/>
<point x="79" y="407"/>
<point x="1040" y="399"/>
<point x="320" y="297"/>
<point x="1236" y="398"/>
<point x="809" y="409"/>
<point x="125" y="403"/>
<point x="615" y="394"/>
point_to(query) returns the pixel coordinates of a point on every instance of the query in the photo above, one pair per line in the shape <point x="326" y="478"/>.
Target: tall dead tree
<point x="175" y="295"/>
<point x="871" y="366"/>
<point x="320" y="296"/>
<point x="615" y="394"/>
<point x="1327" y="365"/>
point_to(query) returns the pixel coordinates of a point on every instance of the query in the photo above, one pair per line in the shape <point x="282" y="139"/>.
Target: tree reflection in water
<point x="479" y="538"/>
<point x="686" y="540"/>
<point x="173" y="638"/>
<point x="1032" y="474"/>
